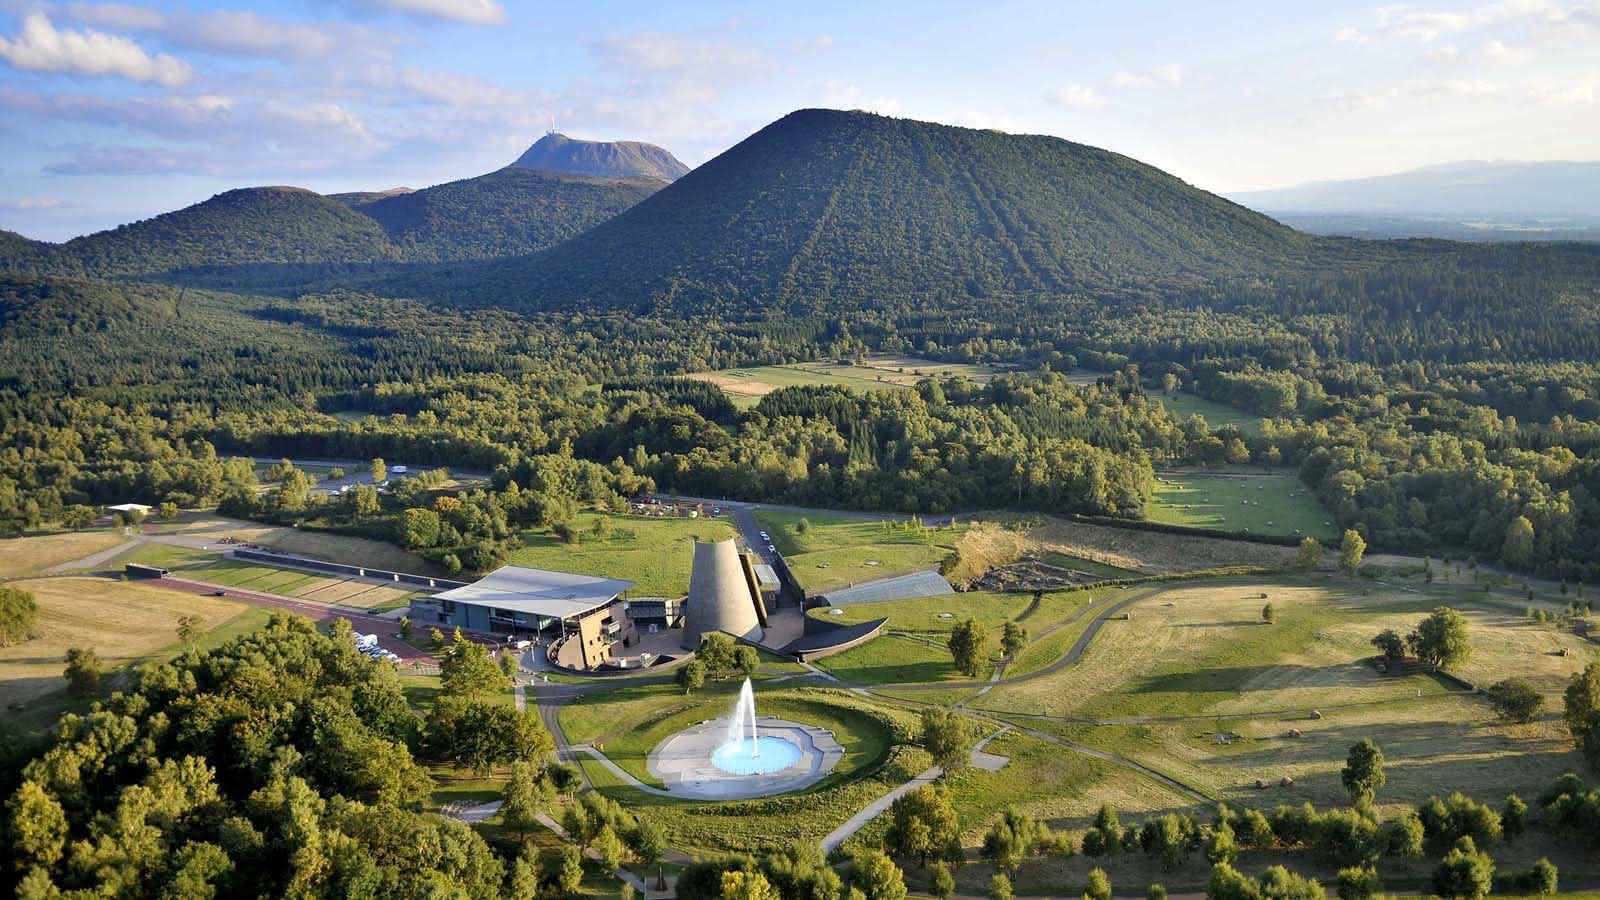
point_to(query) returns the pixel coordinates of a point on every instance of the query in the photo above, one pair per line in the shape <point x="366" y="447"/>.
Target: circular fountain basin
<point x="761" y="756"/>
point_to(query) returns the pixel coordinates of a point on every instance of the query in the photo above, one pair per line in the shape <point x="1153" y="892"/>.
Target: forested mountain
<point x="506" y="213"/>
<point x="260" y="236"/>
<point x="243" y="226"/>
<point x="843" y="210"/>
<point x="607" y="159"/>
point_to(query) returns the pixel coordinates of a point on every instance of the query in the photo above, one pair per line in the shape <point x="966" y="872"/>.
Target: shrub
<point x="1358" y="883"/>
<point x="1464" y="872"/>
<point x="1516" y="699"/>
<point x="18" y="613"/>
<point x="1459" y="816"/>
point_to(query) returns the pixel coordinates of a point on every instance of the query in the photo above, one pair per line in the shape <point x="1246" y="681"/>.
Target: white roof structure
<point x="558" y="595"/>
<point x="766" y="575"/>
<point x="130" y="507"/>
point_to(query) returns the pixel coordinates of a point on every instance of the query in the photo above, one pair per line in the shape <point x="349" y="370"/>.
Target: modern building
<point x="517" y="601"/>
<point x="724" y="595"/>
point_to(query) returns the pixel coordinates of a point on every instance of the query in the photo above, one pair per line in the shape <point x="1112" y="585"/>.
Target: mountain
<point x="246" y="226"/>
<point x="1462" y="200"/>
<point x="267" y="236"/>
<point x="356" y="198"/>
<point x="506" y="213"/>
<point x="826" y="209"/>
<point x="610" y="159"/>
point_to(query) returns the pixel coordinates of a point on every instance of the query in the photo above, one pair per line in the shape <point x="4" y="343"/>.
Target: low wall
<point x="317" y="565"/>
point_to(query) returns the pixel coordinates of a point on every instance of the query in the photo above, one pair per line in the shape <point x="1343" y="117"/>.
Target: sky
<point x="116" y="111"/>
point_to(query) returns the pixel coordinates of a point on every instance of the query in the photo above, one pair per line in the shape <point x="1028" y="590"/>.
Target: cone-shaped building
<point x="719" y="596"/>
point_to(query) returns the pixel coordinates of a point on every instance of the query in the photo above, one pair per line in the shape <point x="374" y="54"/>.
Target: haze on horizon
<point x="111" y="112"/>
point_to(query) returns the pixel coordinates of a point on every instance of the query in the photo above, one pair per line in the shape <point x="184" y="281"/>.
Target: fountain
<point x="745" y="751"/>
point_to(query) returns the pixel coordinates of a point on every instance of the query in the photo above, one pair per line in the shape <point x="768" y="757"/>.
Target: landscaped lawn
<point x="654" y="554"/>
<point x="893" y="659"/>
<point x="836" y="551"/>
<point x="1265" y="505"/>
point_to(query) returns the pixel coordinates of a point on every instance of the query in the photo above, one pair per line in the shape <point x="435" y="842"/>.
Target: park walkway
<point x="881" y="805"/>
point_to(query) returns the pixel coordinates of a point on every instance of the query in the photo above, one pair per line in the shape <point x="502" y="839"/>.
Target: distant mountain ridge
<point x="825" y="209"/>
<point x="1462" y="200"/>
<point x="609" y="159"/>
<point x="296" y="232"/>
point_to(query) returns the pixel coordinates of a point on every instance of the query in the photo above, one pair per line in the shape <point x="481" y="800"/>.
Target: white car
<point x="765" y="536"/>
<point x="771" y="549"/>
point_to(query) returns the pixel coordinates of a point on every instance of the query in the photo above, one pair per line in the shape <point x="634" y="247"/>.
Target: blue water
<point x="741" y="758"/>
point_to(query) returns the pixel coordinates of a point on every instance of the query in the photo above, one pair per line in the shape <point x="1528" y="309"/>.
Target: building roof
<point x="130" y="507"/>
<point x="766" y="575"/>
<point x="902" y="587"/>
<point x="559" y="595"/>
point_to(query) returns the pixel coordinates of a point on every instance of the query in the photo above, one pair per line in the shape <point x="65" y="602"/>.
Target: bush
<point x="1358" y="883"/>
<point x="1464" y="872"/>
<point x="18" y="613"/>
<point x="1516" y="699"/>
<point x="1459" y="816"/>
<point x="1542" y="878"/>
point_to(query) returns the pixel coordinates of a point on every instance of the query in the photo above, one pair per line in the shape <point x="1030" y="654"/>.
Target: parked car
<point x="219" y="593"/>
<point x="765" y="536"/>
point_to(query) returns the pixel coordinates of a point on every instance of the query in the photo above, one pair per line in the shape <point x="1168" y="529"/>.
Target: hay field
<point x="1149" y="552"/>
<point x="122" y="621"/>
<point x="27" y="555"/>
<point x="1203" y="649"/>
<point x="746" y="385"/>
<point x="1271" y="505"/>
<point x="317" y="545"/>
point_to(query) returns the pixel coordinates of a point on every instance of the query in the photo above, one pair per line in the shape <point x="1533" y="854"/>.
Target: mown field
<point x="213" y="568"/>
<point x="1260" y="505"/>
<point x="655" y="554"/>
<point x="35" y="553"/>
<point x="746" y="386"/>
<point x="1184" y="404"/>
<point x="837" y="551"/>
<point x="125" y="623"/>
<point x="315" y="544"/>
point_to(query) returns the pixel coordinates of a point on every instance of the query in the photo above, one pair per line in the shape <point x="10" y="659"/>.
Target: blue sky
<point x="113" y="111"/>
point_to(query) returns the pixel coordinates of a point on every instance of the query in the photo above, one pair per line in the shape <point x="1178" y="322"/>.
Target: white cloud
<point x="1499" y="52"/>
<point x="117" y="15"/>
<point x="228" y="31"/>
<point x="1584" y="91"/>
<point x="839" y="95"/>
<point x="1170" y="75"/>
<point x="42" y="47"/>
<point x="472" y="12"/>
<point x="1078" y="96"/>
<point x="329" y="118"/>
<point x="21" y="203"/>
<point x="664" y="53"/>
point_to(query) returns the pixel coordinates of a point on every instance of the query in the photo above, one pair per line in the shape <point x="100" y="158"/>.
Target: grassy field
<point x="122" y="621"/>
<point x="655" y="554"/>
<point x="1200" y="658"/>
<point x="30" y="555"/>
<point x="836" y="551"/>
<point x="1006" y="535"/>
<point x="1184" y="404"/>
<point x="746" y="386"/>
<point x="315" y="544"/>
<point x="1267" y="505"/>
<point x="204" y="565"/>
